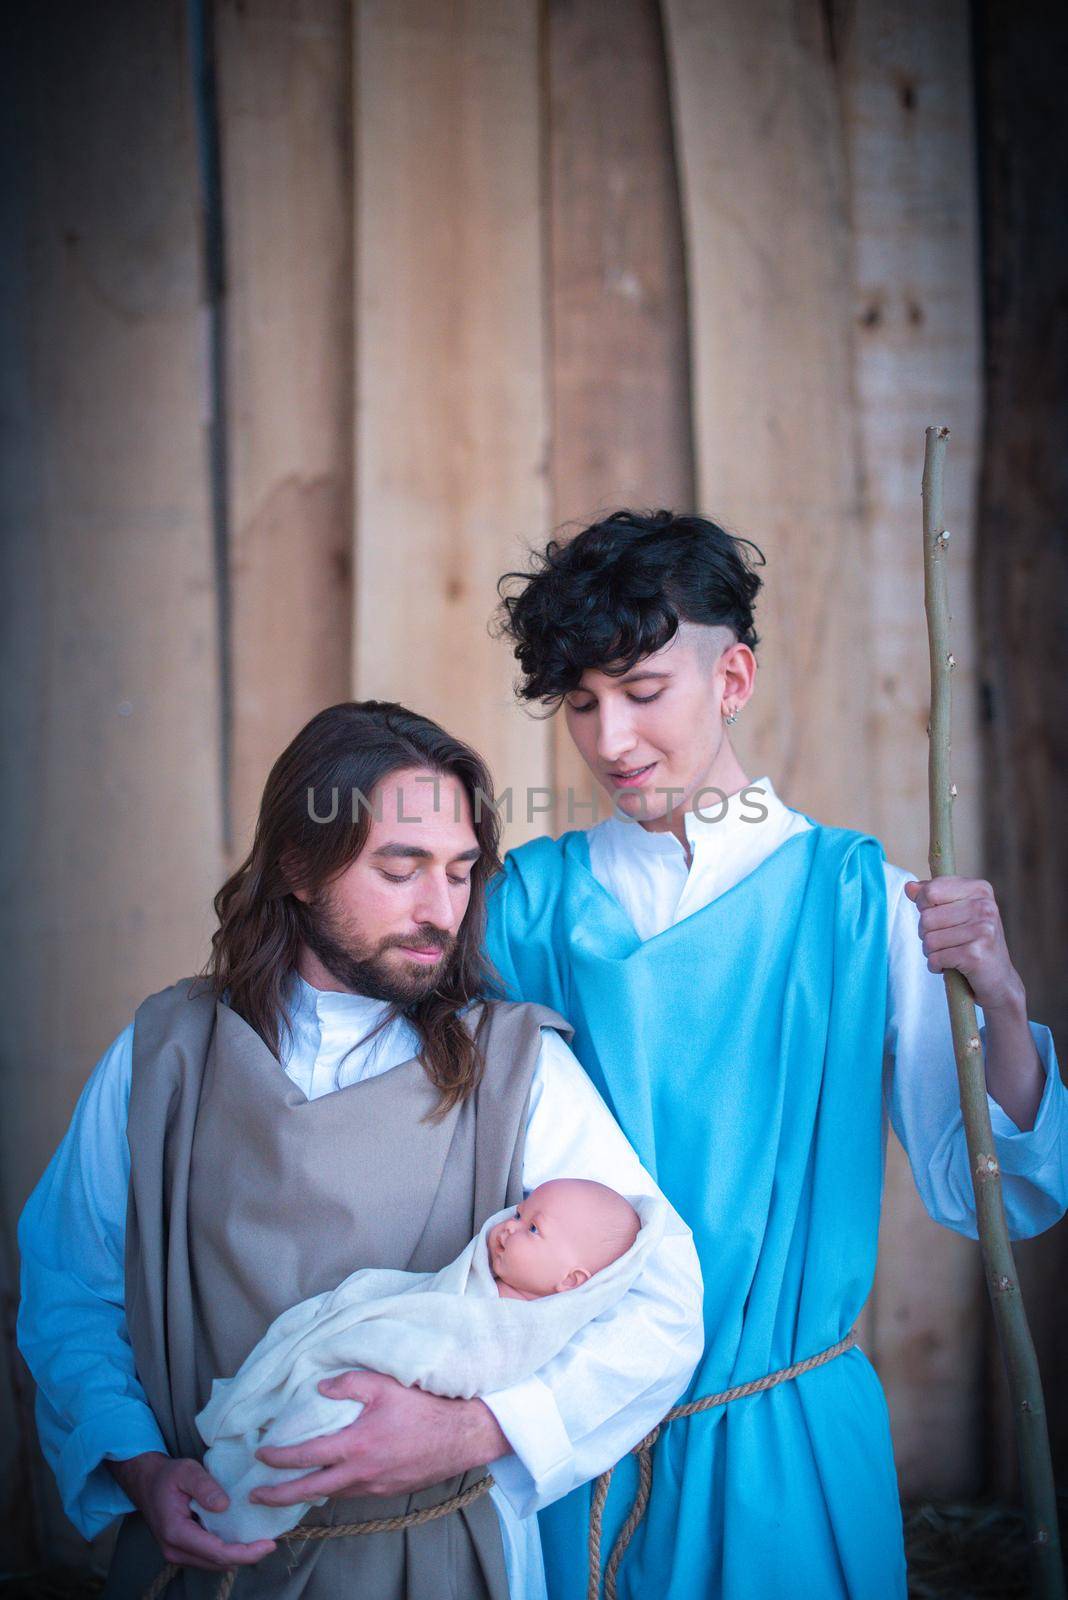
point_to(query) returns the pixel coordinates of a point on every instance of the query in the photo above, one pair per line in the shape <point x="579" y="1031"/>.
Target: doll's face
<point x="560" y="1235"/>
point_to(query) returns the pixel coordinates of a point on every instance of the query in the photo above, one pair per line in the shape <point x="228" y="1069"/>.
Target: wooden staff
<point x="1017" y="1348"/>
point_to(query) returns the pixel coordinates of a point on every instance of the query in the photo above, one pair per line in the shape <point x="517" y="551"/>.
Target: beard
<point x="364" y="969"/>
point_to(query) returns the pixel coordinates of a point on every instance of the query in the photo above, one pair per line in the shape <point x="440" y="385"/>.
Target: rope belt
<point x="341" y="1530"/>
<point x="457" y="1502"/>
<point x="644" y="1452"/>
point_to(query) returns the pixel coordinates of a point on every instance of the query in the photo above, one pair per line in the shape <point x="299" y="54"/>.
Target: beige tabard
<point x="246" y="1197"/>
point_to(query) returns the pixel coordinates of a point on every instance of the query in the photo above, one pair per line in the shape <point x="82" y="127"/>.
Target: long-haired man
<point x="332" y="1094"/>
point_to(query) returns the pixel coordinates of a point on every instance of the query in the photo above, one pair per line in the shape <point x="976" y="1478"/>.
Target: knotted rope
<point x="644" y="1452"/>
<point x="340" y="1530"/>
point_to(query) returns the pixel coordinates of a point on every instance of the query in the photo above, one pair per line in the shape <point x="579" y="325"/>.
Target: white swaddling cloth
<point x="449" y="1332"/>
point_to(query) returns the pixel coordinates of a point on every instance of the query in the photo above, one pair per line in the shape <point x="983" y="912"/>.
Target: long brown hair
<point x="308" y="831"/>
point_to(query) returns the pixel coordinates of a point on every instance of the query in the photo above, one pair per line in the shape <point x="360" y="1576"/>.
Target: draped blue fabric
<point x="741" y="1052"/>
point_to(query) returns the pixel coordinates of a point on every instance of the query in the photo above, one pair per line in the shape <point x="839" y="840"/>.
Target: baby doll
<point x="559" y="1236"/>
<point x="530" y="1279"/>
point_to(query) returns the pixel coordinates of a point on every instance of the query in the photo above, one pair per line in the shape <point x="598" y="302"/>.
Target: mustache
<point x="435" y="940"/>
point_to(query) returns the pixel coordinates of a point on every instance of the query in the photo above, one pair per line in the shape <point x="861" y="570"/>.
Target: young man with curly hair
<point x="756" y="996"/>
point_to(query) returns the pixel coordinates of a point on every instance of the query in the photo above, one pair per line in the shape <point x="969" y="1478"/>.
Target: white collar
<point x="335" y="1007"/>
<point x="716" y="829"/>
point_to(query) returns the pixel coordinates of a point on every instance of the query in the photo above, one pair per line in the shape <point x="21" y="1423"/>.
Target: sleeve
<point x="924" y="1106"/>
<point x="621" y="1373"/>
<point x="71" y="1323"/>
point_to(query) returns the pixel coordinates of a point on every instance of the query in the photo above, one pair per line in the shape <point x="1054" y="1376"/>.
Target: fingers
<point x="197" y="1482"/>
<point x="314" y="1454"/>
<point x="187" y="1544"/>
<point x="979" y="927"/>
<point x="961" y="934"/>
<point x="955" y="958"/>
<point x="960" y="930"/>
<point x="956" y="914"/>
<point x="220" y="1558"/>
<point x="327" y="1448"/>
<point x="330" y="1481"/>
<point x="182" y="1538"/>
<point x="349" y="1386"/>
<point x="979" y="936"/>
<point x="944" y="891"/>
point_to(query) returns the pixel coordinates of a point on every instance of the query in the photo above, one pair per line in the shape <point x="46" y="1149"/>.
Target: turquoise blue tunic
<point x="741" y="1051"/>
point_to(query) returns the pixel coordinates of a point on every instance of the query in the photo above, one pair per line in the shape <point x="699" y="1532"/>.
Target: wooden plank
<point x="451" y="409"/>
<point x="809" y="440"/>
<point x="619" y="360"/>
<point x="767" y="235"/>
<point x="906" y="93"/>
<point x="112" y="826"/>
<point x="1023" y="584"/>
<point x="284" y="77"/>
<point x="764" y="192"/>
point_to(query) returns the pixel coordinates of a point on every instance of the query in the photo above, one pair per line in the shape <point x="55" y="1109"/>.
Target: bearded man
<point x="332" y="1094"/>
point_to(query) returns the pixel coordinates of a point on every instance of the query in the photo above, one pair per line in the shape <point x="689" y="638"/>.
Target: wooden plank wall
<point x="492" y="266"/>
<point x="452" y="421"/>
<point x="768" y="253"/>
<point x="619" y="340"/>
<point x="1022" y="572"/>
<point x="284" y="83"/>
<point x="112" y="837"/>
<point x="905" y="79"/>
<point x="830" y="217"/>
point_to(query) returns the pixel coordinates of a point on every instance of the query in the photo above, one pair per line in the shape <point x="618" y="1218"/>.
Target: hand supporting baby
<point x="404" y="1439"/>
<point x="404" y="1356"/>
<point x="560" y="1235"/>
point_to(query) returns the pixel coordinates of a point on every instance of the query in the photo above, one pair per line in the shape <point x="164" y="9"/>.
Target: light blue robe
<point x="741" y="1051"/>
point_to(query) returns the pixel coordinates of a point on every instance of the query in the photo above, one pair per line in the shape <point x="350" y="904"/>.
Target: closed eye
<point x="406" y="877"/>
<point x="638" y="700"/>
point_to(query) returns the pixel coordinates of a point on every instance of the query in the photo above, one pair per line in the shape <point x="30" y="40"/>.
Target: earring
<point x="731" y="717"/>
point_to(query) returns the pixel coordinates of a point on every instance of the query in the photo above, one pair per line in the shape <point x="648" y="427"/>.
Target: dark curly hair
<point x="618" y="590"/>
